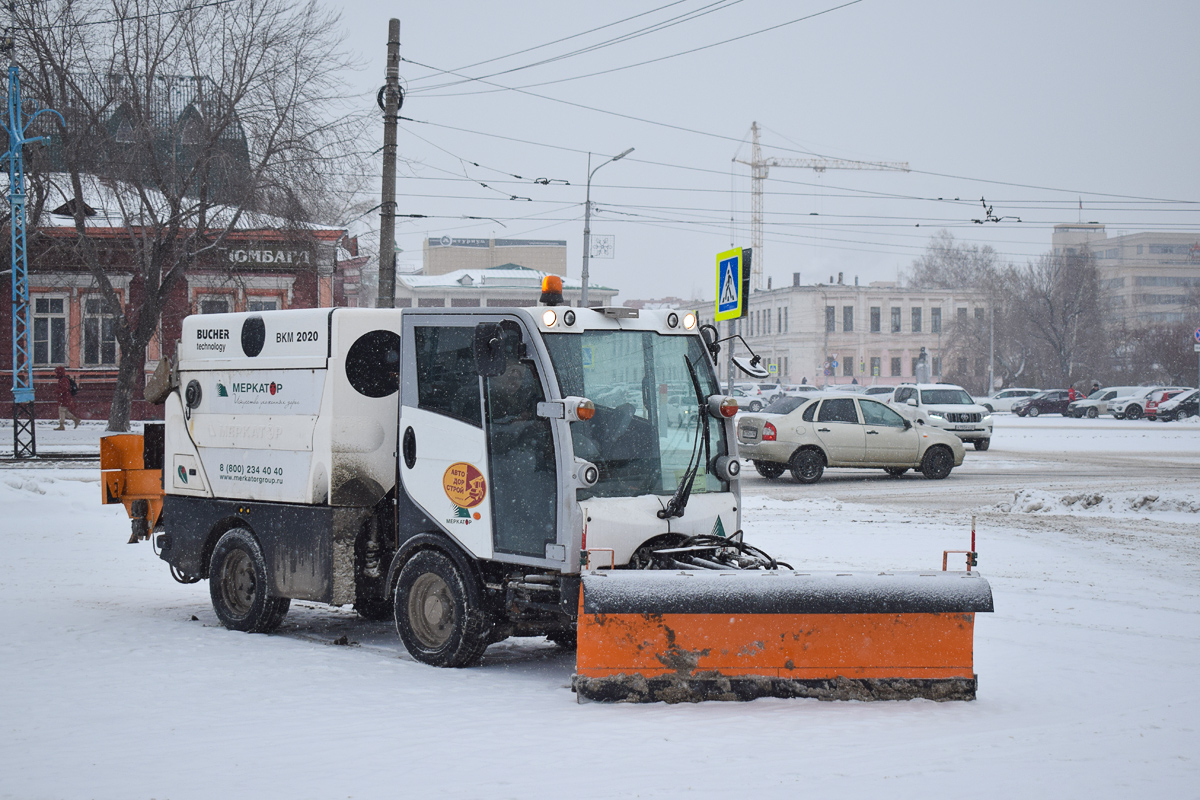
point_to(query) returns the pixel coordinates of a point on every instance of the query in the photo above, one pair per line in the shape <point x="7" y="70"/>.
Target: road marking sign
<point x="733" y="283"/>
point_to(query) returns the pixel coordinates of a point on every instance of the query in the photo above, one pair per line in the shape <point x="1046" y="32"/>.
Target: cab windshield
<point x="946" y="397"/>
<point x="637" y="438"/>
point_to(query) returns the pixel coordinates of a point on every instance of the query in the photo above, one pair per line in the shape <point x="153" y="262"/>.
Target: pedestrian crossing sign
<point x="733" y="283"/>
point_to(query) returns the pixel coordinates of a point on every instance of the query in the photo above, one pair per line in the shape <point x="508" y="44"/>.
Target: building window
<point x="49" y="330"/>
<point x="847" y="318"/>
<point x="895" y="319"/>
<point x="896" y="367"/>
<point x="1139" y="252"/>
<point x="935" y="320"/>
<point x="937" y="365"/>
<point x="979" y="315"/>
<point x="779" y="319"/>
<point x="876" y="366"/>
<point x="916" y="320"/>
<point x="212" y="305"/>
<point x="430" y="302"/>
<point x="262" y="304"/>
<point x="914" y="367"/>
<point x="962" y="366"/>
<point x="785" y="322"/>
<point x="464" y="302"/>
<point x="785" y="366"/>
<point x="830" y="320"/>
<point x="981" y="366"/>
<point x="99" y="334"/>
<point x="848" y="366"/>
<point x="875" y="323"/>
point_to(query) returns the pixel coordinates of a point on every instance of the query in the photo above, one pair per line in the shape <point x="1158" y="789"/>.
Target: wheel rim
<point x="810" y="465"/>
<point x="939" y="463"/>
<point x="431" y="610"/>
<point x="238" y="583"/>
<point x="1033" y="412"/>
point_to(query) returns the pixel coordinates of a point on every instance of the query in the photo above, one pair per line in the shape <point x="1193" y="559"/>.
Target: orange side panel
<point x="799" y="646"/>
<point x="121" y="451"/>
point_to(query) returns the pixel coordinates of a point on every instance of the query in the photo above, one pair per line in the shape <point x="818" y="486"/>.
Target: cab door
<point x="840" y="432"/>
<point x="888" y="440"/>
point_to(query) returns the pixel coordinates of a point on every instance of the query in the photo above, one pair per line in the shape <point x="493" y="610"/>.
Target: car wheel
<point x="989" y="408"/>
<point x="937" y="463"/>
<point x="239" y="586"/>
<point x="1021" y="413"/>
<point x="1034" y="411"/>
<point x="755" y="405"/>
<point x="1093" y="412"/>
<point x="1167" y="417"/>
<point x="769" y="469"/>
<point x="983" y="444"/>
<point x="807" y="466"/>
<point x="1077" y="414"/>
<point x="1133" y="412"/>
<point x="434" y="614"/>
<point x="895" y="472"/>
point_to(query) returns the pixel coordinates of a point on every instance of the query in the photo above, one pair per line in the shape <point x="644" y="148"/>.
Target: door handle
<point x="872" y="433"/>
<point x="822" y="430"/>
<point x="410" y="448"/>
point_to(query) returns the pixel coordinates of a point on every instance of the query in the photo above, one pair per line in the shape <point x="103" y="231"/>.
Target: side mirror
<point x="912" y="401"/>
<point x="907" y="425"/>
<point x="750" y="367"/>
<point x="490" y="359"/>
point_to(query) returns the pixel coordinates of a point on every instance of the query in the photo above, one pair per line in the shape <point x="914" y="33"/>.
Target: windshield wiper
<point x="678" y="502"/>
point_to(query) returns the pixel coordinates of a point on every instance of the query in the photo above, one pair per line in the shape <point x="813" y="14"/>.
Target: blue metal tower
<point x="24" y="413"/>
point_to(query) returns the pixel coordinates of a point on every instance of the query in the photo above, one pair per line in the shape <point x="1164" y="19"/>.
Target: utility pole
<point x="24" y="406"/>
<point x="587" y="223"/>
<point x="389" y="99"/>
<point x="759" y="167"/>
<point x="991" y="387"/>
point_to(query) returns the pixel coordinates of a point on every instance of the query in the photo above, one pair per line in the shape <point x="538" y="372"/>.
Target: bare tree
<point x="262" y="130"/>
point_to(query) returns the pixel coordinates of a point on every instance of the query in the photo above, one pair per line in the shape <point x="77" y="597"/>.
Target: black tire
<point x="1134" y="411"/>
<point x="989" y="408"/>
<point x="769" y="469"/>
<point x="755" y="405"/>
<point x="937" y="463"/>
<point x="1034" y="411"/>
<point x="1021" y="413"/>
<point x="376" y="609"/>
<point x="435" y="616"/>
<point x="1166" y="417"/>
<point x="565" y="640"/>
<point x="895" y="472"/>
<point x="983" y="444"/>
<point x="239" y="585"/>
<point x="1077" y="414"/>
<point x="1093" y="412"/>
<point x="807" y="466"/>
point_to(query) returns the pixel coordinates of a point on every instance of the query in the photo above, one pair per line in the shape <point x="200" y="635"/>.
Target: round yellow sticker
<point x="464" y="485"/>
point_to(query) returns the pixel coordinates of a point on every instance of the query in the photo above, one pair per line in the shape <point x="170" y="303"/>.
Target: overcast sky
<point x="1031" y="104"/>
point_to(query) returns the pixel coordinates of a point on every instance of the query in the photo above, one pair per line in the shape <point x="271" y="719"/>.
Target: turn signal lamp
<point x="585" y="410"/>
<point x="552" y="291"/>
<point x="729" y="407"/>
<point x="769" y="432"/>
<point x="689" y="321"/>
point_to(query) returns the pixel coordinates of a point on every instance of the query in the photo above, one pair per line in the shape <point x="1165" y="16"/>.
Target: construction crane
<point x="759" y="167"/>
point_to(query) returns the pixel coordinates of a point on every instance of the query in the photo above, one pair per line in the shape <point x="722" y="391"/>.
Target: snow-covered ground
<point x="117" y="682"/>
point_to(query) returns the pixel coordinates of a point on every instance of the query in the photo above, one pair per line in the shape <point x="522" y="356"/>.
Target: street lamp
<point x="587" y="222"/>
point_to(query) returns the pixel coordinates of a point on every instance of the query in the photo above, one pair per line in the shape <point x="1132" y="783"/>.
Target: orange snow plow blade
<point x="125" y="478"/>
<point x="674" y="637"/>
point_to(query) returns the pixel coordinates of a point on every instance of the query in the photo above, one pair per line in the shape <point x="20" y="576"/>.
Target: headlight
<point x="936" y="415"/>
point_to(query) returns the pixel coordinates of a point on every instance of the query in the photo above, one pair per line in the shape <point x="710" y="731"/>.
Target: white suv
<point x="950" y="408"/>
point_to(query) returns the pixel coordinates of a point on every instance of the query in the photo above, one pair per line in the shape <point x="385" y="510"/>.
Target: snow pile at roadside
<point x="1106" y="504"/>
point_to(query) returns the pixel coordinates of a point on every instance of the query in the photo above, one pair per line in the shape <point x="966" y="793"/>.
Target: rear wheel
<point x="983" y="444"/>
<point x="1133" y="412"/>
<point x="238" y="585"/>
<point x="807" y="466"/>
<point x="895" y="472"/>
<point x="769" y="469"/>
<point x="937" y="463"/>
<point x="434" y="615"/>
<point x="1034" y="411"/>
<point x="1093" y="412"/>
<point x="755" y="405"/>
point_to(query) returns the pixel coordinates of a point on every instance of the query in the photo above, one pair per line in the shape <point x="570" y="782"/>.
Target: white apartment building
<point x="443" y="254"/>
<point x="505" y="286"/>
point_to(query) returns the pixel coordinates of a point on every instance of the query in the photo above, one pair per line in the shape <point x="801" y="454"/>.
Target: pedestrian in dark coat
<point x="66" y="398"/>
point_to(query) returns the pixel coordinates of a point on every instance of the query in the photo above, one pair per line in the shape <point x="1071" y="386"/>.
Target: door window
<point x="878" y="414"/>
<point x="839" y="409"/>
<point x="810" y="413"/>
<point x="446" y="379"/>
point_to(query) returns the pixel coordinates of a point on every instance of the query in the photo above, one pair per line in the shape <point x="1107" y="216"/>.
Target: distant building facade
<point x="507" y="285"/>
<point x="833" y="334"/>
<point x="444" y="254"/>
<point x="1152" y="278"/>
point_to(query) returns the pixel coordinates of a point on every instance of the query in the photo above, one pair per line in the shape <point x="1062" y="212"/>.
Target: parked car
<point x="843" y="430"/>
<point x="1155" y="400"/>
<point x="1097" y="402"/>
<point x="795" y="390"/>
<point x="1134" y="406"/>
<point x="950" y="408"/>
<point x="883" y="393"/>
<point x="1003" y="400"/>
<point x="748" y="400"/>
<point x="1054" y="401"/>
<point x="1182" y="405"/>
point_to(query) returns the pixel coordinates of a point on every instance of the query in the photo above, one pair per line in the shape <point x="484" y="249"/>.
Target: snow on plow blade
<point x="647" y="636"/>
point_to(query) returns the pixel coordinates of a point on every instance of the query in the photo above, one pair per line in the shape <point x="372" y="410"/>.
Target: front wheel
<point x="769" y="469"/>
<point x="434" y="614"/>
<point x="755" y="405"/>
<point x="983" y="444"/>
<point x="1166" y="417"/>
<point x="937" y="463"/>
<point x="1077" y="414"/>
<point x="1093" y="412"/>
<point x="1133" y="412"/>
<point x="239" y="587"/>
<point x="989" y="408"/>
<point x="807" y="466"/>
<point x="1034" y="411"/>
